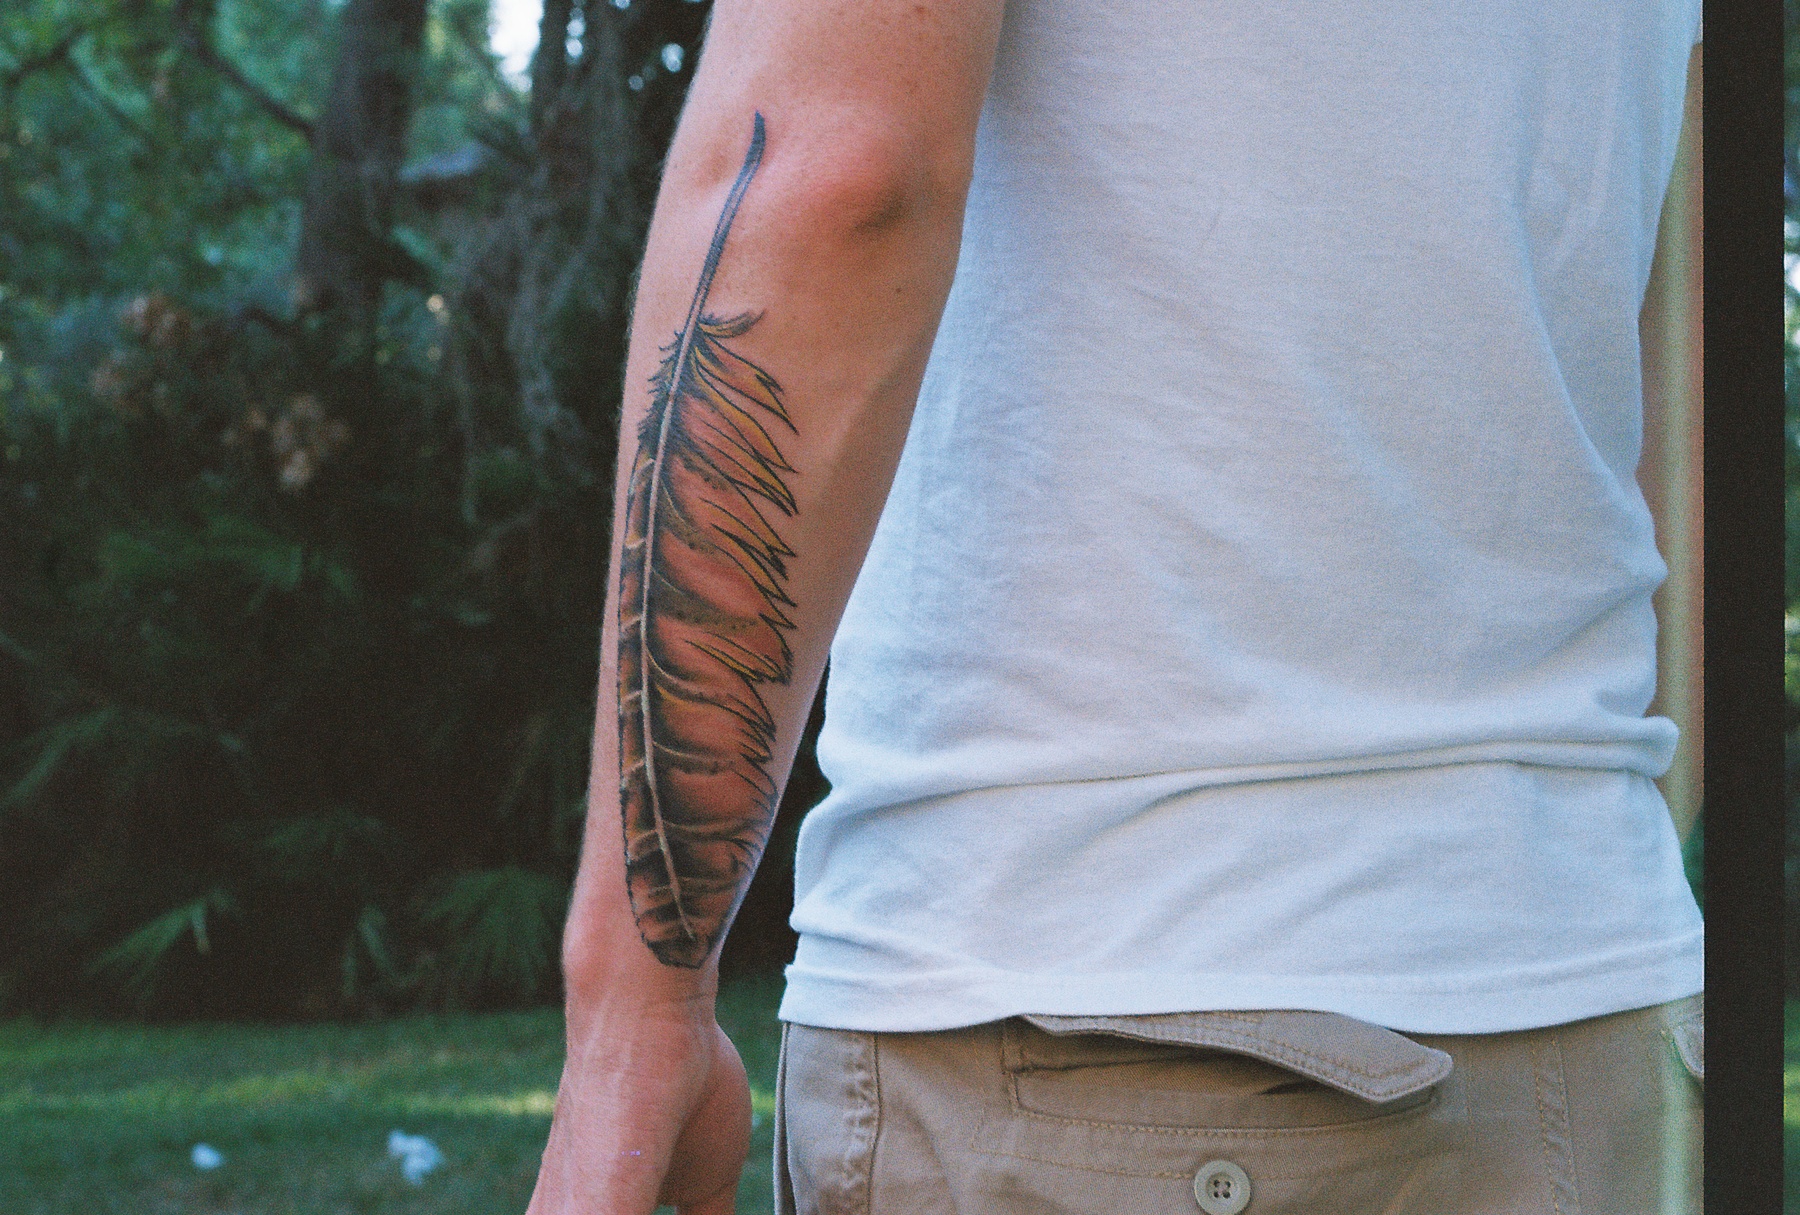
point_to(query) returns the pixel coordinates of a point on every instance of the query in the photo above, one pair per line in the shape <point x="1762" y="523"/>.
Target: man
<point x="1242" y="792"/>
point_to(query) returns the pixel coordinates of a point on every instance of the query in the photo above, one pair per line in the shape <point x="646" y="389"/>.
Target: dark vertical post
<point x="1743" y="614"/>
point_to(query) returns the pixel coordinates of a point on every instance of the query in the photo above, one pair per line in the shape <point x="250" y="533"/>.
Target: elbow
<point x="855" y="190"/>
<point x="859" y="182"/>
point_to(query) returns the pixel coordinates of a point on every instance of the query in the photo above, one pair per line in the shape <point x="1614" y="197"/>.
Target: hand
<point x="651" y="1110"/>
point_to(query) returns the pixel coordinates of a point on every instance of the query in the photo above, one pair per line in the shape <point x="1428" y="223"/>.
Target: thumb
<point x="710" y="1150"/>
<point x="722" y="1203"/>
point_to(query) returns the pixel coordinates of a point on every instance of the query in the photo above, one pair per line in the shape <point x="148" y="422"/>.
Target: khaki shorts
<point x="1272" y="1113"/>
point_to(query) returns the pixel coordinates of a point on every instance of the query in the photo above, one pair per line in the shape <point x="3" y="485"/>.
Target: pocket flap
<point x="1351" y="1056"/>
<point x="1690" y="1044"/>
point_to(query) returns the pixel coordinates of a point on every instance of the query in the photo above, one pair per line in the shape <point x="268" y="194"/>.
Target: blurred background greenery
<point x="312" y="316"/>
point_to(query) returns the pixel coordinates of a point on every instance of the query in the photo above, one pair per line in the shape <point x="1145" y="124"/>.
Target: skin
<point x="844" y="247"/>
<point x="1669" y="328"/>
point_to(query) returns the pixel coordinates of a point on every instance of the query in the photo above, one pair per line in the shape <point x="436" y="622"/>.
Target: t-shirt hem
<point x="865" y="776"/>
<point x="1497" y="1002"/>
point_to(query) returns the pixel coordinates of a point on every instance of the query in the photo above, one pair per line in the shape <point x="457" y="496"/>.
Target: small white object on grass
<point x="417" y="1155"/>
<point x="206" y="1156"/>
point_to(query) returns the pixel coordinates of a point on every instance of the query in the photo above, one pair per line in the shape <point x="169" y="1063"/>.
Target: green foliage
<point x="50" y="746"/>
<point x="137" y="958"/>
<point x="298" y="634"/>
<point x="123" y="163"/>
<point x="501" y="928"/>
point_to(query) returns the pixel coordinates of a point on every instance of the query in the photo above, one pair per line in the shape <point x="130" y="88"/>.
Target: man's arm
<point x="803" y="243"/>
<point x="1669" y="473"/>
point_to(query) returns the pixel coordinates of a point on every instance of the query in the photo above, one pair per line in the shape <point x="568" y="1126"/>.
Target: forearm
<point x="785" y="309"/>
<point x="784" y="315"/>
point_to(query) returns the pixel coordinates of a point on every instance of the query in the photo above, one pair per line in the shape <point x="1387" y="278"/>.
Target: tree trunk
<point x="550" y="63"/>
<point x="359" y="141"/>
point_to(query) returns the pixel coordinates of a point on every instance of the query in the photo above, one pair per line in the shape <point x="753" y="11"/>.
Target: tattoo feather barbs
<point x="702" y="623"/>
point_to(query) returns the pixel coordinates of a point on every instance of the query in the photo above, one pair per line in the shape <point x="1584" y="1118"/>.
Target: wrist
<point x="612" y="975"/>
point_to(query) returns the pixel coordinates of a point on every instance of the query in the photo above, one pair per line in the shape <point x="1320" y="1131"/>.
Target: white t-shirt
<point x="1261" y="615"/>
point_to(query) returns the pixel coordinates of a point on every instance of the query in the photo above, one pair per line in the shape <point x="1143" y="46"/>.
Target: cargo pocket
<point x="1273" y="1112"/>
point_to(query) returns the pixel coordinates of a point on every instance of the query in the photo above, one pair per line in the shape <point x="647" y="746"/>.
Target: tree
<point x="358" y="142"/>
<point x="309" y="385"/>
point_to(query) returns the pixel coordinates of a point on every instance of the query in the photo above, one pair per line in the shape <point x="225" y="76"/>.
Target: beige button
<point x="1221" y="1188"/>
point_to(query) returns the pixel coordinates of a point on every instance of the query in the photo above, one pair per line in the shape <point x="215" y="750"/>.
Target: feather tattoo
<point x="702" y="623"/>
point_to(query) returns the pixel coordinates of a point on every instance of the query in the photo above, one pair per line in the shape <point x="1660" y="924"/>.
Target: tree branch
<point x="194" y="40"/>
<point x="107" y="105"/>
<point x="550" y="63"/>
<point x="63" y="54"/>
<point x="57" y="53"/>
<point x="478" y="54"/>
<point x="239" y="318"/>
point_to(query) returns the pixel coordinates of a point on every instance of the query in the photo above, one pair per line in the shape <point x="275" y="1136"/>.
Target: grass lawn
<point x="102" y="1119"/>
